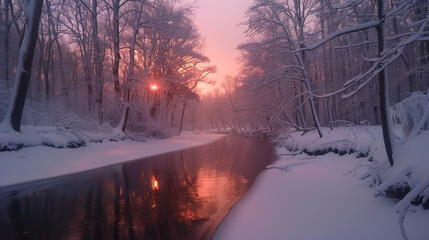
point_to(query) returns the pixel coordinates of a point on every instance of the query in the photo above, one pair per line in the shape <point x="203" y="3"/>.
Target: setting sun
<point x="154" y="183"/>
<point x="153" y="87"/>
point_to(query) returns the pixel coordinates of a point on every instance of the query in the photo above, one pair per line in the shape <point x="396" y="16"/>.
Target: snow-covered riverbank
<point x="40" y="162"/>
<point x="325" y="188"/>
<point x="315" y="198"/>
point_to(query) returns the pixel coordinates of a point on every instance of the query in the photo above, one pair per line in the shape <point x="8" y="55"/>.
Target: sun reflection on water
<point x="182" y="195"/>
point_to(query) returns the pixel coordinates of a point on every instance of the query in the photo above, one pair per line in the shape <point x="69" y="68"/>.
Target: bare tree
<point x="290" y="62"/>
<point x="130" y="75"/>
<point x="275" y="18"/>
<point x="379" y="64"/>
<point x="22" y="76"/>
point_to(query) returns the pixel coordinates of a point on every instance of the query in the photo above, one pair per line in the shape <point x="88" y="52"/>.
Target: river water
<point x="179" y="195"/>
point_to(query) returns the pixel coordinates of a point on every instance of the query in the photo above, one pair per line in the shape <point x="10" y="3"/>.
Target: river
<point x="178" y="195"/>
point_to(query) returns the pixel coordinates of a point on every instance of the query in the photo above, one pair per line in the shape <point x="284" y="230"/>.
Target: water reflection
<point x="182" y="195"/>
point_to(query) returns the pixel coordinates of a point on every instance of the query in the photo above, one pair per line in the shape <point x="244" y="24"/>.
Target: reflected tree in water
<point x="181" y="195"/>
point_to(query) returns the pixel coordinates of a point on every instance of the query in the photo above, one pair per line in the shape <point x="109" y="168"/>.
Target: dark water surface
<point x="179" y="195"/>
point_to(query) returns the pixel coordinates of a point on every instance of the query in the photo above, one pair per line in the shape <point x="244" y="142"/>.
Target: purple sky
<point x="217" y="21"/>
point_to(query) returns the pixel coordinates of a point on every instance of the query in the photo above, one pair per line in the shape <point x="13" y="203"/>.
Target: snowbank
<point x="342" y="140"/>
<point x="317" y="199"/>
<point x="70" y="133"/>
<point x="407" y="180"/>
<point x="411" y="165"/>
<point x="308" y="195"/>
<point x="40" y="162"/>
<point x="31" y="136"/>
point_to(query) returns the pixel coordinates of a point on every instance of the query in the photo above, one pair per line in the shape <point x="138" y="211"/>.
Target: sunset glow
<point x="222" y="35"/>
<point x="153" y="87"/>
<point x="154" y="183"/>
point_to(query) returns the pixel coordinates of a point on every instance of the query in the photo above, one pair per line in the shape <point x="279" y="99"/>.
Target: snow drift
<point x="408" y="178"/>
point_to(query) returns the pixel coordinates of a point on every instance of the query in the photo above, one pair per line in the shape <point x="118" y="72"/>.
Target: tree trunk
<point x="65" y="85"/>
<point x="384" y="89"/>
<point x="5" y="35"/>
<point x="306" y="80"/>
<point x="116" y="53"/>
<point x="87" y="73"/>
<point x="23" y="73"/>
<point x="125" y="112"/>
<point x="98" y="66"/>
<point x="172" y="115"/>
<point x="181" y="119"/>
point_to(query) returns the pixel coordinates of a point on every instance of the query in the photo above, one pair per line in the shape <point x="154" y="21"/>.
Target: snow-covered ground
<point x="40" y="162"/>
<point x="336" y="187"/>
<point x="304" y="197"/>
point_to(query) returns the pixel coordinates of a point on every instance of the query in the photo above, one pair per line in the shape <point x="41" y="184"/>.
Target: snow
<point x="312" y="192"/>
<point x="416" y="151"/>
<point x="40" y="162"/>
<point x="358" y="139"/>
<point x="411" y="115"/>
<point x="317" y="200"/>
<point x="340" y="32"/>
<point x="410" y="170"/>
<point x="48" y="136"/>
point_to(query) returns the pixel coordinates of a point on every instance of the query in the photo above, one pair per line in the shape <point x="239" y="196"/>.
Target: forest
<point x="126" y="64"/>
<point x="136" y="65"/>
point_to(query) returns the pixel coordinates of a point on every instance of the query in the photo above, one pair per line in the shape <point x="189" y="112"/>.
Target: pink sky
<point x="217" y="21"/>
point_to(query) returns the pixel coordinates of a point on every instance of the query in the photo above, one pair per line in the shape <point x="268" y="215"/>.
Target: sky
<point x="218" y="22"/>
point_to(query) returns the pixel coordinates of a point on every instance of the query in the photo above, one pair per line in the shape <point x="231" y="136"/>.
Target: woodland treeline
<point x="133" y="64"/>
<point x="309" y="64"/>
<point x="325" y="55"/>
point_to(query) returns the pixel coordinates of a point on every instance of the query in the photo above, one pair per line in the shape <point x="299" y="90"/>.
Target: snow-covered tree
<point x="385" y="57"/>
<point x="13" y="117"/>
<point x="281" y="25"/>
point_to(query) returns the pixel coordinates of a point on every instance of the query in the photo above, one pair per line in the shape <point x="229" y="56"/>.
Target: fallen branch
<point x="404" y="204"/>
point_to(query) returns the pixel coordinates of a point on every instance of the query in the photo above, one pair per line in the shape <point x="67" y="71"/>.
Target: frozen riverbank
<point x="42" y="162"/>
<point x="315" y="198"/>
